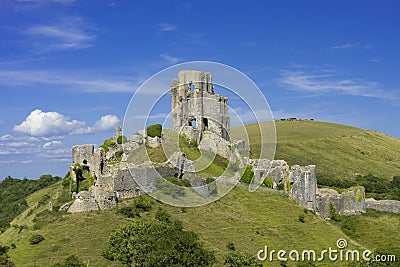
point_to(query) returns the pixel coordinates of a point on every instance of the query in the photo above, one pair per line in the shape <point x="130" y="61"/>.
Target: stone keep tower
<point x="196" y="108"/>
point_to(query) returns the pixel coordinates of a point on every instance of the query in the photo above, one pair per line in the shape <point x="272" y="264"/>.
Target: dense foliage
<point x="121" y="139"/>
<point x="71" y="261"/>
<point x="154" y="130"/>
<point x="145" y="243"/>
<point x="235" y="259"/>
<point x="13" y="193"/>
<point x="4" y="259"/>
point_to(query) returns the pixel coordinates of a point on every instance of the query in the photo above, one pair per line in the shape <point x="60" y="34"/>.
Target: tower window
<point x="193" y="123"/>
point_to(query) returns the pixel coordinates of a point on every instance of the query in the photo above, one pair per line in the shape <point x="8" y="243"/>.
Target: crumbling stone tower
<point x="196" y="108"/>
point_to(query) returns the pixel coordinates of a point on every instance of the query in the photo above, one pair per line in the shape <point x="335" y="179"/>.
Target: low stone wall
<point x="383" y="205"/>
<point x="349" y="202"/>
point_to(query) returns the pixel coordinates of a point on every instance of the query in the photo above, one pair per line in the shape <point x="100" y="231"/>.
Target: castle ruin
<point x="196" y="108"/>
<point x="201" y="115"/>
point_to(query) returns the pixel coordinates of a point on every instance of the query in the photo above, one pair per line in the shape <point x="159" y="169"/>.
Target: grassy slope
<point x="249" y="220"/>
<point x="337" y="150"/>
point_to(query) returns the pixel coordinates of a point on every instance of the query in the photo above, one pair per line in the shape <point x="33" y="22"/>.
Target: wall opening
<point x="205" y="124"/>
<point x="191" y="86"/>
<point x="192" y="123"/>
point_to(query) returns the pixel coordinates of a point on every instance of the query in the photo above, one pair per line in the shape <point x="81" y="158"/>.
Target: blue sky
<point x="68" y="69"/>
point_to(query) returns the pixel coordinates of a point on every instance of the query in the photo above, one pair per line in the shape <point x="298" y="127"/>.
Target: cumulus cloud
<point x="48" y="124"/>
<point x="40" y="123"/>
<point x="106" y="123"/>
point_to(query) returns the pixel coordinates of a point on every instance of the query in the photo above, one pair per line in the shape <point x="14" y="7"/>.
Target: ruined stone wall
<point x="349" y="202"/>
<point x="194" y="104"/>
<point x="303" y="181"/>
<point x="383" y="205"/>
<point x="80" y="153"/>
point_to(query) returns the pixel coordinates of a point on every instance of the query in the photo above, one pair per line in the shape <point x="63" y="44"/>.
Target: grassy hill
<point x="339" y="151"/>
<point x="248" y="220"/>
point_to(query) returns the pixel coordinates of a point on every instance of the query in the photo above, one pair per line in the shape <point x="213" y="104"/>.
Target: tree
<point x="145" y="243"/>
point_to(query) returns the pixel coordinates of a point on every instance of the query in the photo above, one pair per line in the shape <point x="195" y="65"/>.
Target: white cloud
<point x="79" y="82"/>
<point x="345" y="46"/>
<point x="170" y="59"/>
<point x="106" y="123"/>
<point x="52" y="144"/>
<point x="69" y="33"/>
<point x="166" y="27"/>
<point x="331" y="83"/>
<point x="40" y="123"/>
<point x="27" y="161"/>
<point x="52" y="125"/>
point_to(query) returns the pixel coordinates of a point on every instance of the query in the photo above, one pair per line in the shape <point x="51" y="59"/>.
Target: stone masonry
<point x="196" y="108"/>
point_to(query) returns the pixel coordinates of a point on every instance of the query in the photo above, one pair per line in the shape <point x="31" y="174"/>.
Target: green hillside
<point x="339" y="151"/>
<point x="248" y="220"/>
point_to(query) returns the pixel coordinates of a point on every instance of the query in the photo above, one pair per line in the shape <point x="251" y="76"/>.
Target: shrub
<point x="36" y="239"/>
<point x="74" y="261"/>
<point x="302" y="218"/>
<point x="121" y="139"/>
<point x="268" y="182"/>
<point x="141" y="203"/>
<point x="235" y="259"/>
<point x="129" y="212"/>
<point x="4" y="249"/>
<point x="280" y="186"/>
<point x="163" y="215"/>
<point x="247" y="175"/>
<point x="332" y="213"/>
<point x="154" y="130"/>
<point x="118" y="154"/>
<point x="348" y="226"/>
<point x="146" y="243"/>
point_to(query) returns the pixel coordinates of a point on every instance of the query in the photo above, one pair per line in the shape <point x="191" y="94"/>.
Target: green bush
<point x="118" y="154"/>
<point x="36" y="239"/>
<point x="141" y="203"/>
<point x="129" y="212"/>
<point x="235" y="259"/>
<point x="146" y="243"/>
<point x="74" y="261"/>
<point x="268" y="182"/>
<point x="154" y="130"/>
<point x="302" y="218"/>
<point x="121" y="139"/>
<point x="332" y="213"/>
<point x="280" y="186"/>
<point x="247" y="175"/>
<point x="163" y="215"/>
